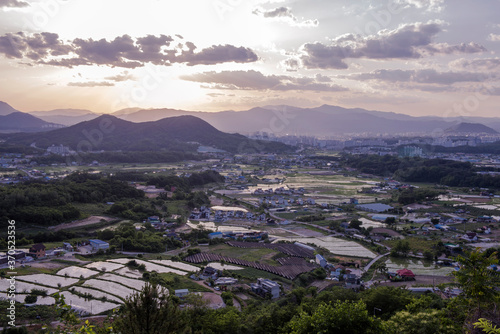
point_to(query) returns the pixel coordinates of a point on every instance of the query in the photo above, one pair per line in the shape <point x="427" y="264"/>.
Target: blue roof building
<point x="98" y="244"/>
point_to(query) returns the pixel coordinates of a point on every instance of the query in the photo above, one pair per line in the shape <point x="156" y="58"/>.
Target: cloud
<point x="13" y="4"/>
<point x="123" y="51"/>
<point x="427" y="76"/>
<point x="494" y="37"/>
<point x="91" y="84"/>
<point x="285" y="14"/>
<point x="488" y="65"/>
<point x="410" y="41"/>
<point x="429" y="5"/>
<point x="120" y="77"/>
<point x="255" y="80"/>
<point x="34" y="47"/>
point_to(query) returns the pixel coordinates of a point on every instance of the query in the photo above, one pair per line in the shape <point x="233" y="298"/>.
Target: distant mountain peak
<point x="6" y="109"/>
<point x="470" y="128"/>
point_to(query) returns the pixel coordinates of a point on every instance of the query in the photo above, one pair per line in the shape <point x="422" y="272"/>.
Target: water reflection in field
<point x="418" y="266"/>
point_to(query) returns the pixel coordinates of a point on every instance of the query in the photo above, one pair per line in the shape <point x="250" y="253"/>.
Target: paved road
<point x="373" y="261"/>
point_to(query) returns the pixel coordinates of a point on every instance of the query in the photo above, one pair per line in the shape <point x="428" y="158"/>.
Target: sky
<point x="416" y="57"/>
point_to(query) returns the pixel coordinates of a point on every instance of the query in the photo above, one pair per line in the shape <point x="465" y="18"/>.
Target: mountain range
<point x="109" y="133"/>
<point x="325" y="120"/>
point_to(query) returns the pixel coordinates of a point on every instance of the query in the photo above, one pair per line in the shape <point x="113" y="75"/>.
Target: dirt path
<point x="79" y="223"/>
<point x="422" y="280"/>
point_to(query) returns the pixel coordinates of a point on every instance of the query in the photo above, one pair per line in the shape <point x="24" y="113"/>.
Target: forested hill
<point x="183" y="133"/>
<point x="446" y="172"/>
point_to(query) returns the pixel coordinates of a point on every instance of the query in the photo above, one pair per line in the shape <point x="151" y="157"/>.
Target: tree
<point x="341" y="317"/>
<point x="355" y="224"/>
<point x="150" y="311"/>
<point x="402" y="248"/>
<point x="480" y="284"/>
<point x="390" y="221"/>
<point x="430" y="322"/>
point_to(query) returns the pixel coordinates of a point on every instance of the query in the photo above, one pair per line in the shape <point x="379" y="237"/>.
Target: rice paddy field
<point x="418" y="266"/>
<point x="336" y="246"/>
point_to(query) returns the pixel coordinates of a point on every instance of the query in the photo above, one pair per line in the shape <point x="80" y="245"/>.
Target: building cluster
<point x="351" y="277"/>
<point x="250" y="236"/>
<point x="265" y="287"/>
<point x="220" y="216"/>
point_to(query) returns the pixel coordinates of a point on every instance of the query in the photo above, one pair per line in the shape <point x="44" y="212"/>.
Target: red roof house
<point x="406" y="273"/>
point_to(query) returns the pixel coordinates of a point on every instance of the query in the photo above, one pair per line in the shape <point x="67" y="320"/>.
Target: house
<point x="181" y="293"/>
<point x="265" y="286"/>
<point x="337" y="271"/>
<point x="214" y="235"/>
<point x="18" y="254"/>
<point x="98" y="244"/>
<point x="37" y="251"/>
<point x="154" y="220"/>
<point x="209" y="272"/>
<point x="225" y="281"/>
<point x="406" y="274"/>
<point x="321" y="260"/>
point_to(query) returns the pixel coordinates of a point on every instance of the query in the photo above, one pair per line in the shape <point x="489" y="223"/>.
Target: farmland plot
<point x="110" y="287"/>
<point x="131" y="273"/>
<point x="48" y="280"/>
<point x="40" y="300"/>
<point x="337" y="246"/>
<point x="77" y="272"/>
<point x="87" y="306"/>
<point x="107" y="266"/>
<point x="131" y="283"/>
<point x="24" y="287"/>
<point x="220" y="266"/>
<point x="153" y="267"/>
<point x="96" y="294"/>
<point x="177" y="265"/>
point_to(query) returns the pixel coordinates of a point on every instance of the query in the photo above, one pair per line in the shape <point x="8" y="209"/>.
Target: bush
<point x="30" y="299"/>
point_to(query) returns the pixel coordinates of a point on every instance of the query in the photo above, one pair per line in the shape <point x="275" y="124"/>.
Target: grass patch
<point x="315" y="229"/>
<point x="252" y="274"/>
<point x="417" y="244"/>
<point x="91" y="209"/>
<point x="262" y="255"/>
<point x="175" y="282"/>
<point x="68" y="262"/>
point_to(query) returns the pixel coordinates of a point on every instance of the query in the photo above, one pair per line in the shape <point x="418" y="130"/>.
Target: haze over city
<point x="416" y="57"/>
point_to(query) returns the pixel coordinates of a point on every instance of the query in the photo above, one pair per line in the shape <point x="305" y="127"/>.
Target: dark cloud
<point x="427" y="76"/>
<point x="255" y="80"/>
<point x="123" y="51"/>
<point x="217" y="54"/>
<point x="410" y="41"/>
<point x="91" y="84"/>
<point x="13" y="4"/>
<point x="35" y="46"/>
